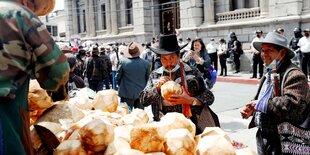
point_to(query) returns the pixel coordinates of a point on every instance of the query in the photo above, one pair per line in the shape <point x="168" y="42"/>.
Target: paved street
<point x="229" y="98"/>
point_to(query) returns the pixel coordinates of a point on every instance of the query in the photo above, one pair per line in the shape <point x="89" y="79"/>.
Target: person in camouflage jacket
<point x="25" y="47"/>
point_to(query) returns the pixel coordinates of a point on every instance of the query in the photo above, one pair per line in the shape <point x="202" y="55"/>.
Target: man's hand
<point x="248" y="109"/>
<point x="60" y="94"/>
<point x="162" y="81"/>
<point x="256" y="52"/>
<point x="183" y="98"/>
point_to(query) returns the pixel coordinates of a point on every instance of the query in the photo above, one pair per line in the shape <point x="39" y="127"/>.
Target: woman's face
<point x="197" y="46"/>
<point x="169" y="61"/>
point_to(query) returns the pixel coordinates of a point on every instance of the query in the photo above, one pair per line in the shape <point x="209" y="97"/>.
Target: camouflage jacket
<point x="26" y="47"/>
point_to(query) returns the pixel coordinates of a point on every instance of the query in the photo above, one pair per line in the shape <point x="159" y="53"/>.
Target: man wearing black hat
<point x="257" y="60"/>
<point x="281" y="97"/>
<point x="80" y="57"/>
<point x="96" y="70"/>
<point x="173" y="69"/>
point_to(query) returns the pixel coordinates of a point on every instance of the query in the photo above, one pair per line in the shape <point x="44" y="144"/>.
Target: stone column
<point x="69" y="24"/>
<point x="142" y="17"/>
<point x="114" y="25"/>
<point x="191" y="14"/>
<point x="87" y="17"/>
<point x="264" y="8"/>
<point x="241" y="4"/>
<point x="209" y="12"/>
<point x="306" y="6"/>
<point x="108" y="16"/>
<point x="75" y="17"/>
<point x="91" y="20"/>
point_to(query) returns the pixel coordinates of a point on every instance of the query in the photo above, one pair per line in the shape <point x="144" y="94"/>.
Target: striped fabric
<point x="263" y="102"/>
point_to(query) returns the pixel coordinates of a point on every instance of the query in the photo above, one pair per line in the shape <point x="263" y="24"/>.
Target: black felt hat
<point x="168" y="44"/>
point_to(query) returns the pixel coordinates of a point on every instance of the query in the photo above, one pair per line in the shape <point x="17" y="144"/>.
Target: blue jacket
<point x="132" y="76"/>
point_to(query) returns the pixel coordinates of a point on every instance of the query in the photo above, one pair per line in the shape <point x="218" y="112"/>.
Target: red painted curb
<point x="242" y="80"/>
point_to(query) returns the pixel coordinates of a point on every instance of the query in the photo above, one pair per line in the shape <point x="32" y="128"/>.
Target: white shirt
<point x="114" y="60"/>
<point x="211" y="47"/>
<point x="304" y="44"/>
<point x="256" y="39"/>
<point x="222" y="47"/>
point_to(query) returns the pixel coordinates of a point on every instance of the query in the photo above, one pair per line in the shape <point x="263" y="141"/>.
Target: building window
<point x="104" y="17"/>
<point x="84" y="21"/>
<point x="240" y="4"/>
<point x="62" y="34"/>
<point x="128" y="8"/>
<point x="49" y="28"/>
<point x="52" y="30"/>
<point x="55" y="31"/>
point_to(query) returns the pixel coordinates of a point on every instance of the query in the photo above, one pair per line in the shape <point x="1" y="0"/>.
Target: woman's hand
<point x="248" y="109"/>
<point x="162" y="81"/>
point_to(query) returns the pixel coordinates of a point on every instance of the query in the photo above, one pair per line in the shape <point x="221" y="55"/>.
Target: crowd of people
<point x="138" y="71"/>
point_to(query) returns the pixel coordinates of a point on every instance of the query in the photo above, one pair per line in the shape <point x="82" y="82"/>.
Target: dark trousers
<point x="107" y="82"/>
<point x="95" y="85"/>
<point x="257" y="60"/>
<point x="132" y="103"/>
<point x="223" y="66"/>
<point x="214" y="57"/>
<point x="305" y="63"/>
<point x="237" y="61"/>
<point x="268" y="144"/>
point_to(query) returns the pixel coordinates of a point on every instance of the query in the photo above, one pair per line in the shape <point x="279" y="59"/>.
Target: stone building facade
<point x="139" y="20"/>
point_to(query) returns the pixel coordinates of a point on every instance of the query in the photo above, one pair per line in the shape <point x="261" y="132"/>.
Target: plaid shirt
<point x="150" y="95"/>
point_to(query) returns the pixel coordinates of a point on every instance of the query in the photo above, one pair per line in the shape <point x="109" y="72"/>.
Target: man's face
<point x="169" y="61"/>
<point x="259" y="34"/>
<point x="29" y="4"/>
<point x="269" y="53"/>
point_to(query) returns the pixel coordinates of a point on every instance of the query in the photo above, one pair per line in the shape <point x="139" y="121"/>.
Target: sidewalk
<point x="242" y="78"/>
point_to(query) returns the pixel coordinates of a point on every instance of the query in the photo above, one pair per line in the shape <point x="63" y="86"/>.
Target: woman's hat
<point x="276" y="39"/>
<point x="133" y="50"/>
<point x="43" y="7"/>
<point x="168" y="44"/>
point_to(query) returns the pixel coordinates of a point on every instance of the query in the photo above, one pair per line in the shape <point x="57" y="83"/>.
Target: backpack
<point x="96" y="69"/>
<point x="210" y="77"/>
<point x="213" y="75"/>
